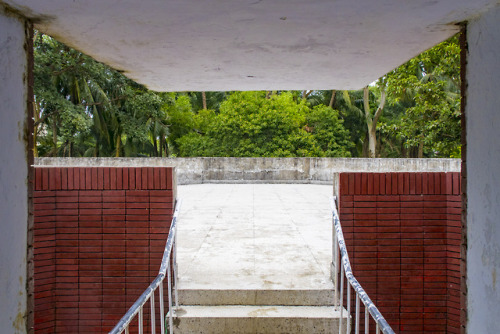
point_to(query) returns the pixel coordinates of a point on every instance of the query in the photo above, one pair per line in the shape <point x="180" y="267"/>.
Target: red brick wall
<point x="99" y="239"/>
<point x="403" y="236"/>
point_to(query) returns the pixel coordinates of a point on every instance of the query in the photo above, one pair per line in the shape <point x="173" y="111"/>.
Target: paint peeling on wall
<point x="19" y="322"/>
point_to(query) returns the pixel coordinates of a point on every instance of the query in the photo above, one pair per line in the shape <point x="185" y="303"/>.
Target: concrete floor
<point x="254" y="236"/>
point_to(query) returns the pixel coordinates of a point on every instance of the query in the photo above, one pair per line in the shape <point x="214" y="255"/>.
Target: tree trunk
<point x="421" y="149"/>
<point x="332" y="100"/>
<point x="305" y="94"/>
<point x="371" y="122"/>
<point x="36" y="118"/>
<point x="118" y="146"/>
<point x="371" y="133"/>
<point x="364" y="152"/>
<point x="378" y="147"/>
<point x="54" y="136"/>
<point x="160" y="147"/>
<point x="372" y="141"/>
<point x="204" y="100"/>
<point x="155" y="145"/>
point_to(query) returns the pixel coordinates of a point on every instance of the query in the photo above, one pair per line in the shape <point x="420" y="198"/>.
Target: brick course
<point x="403" y="235"/>
<point x="99" y="235"/>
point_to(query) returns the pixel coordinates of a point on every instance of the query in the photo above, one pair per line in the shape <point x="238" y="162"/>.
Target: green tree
<point x="372" y="115"/>
<point x="181" y="121"/>
<point x="430" y="82"/>
<point x="206" y="100"/>
<point x="250" y="124"/>
<point x="84" y="108"/>
<point x="62" y="122"/>
<point x="198" y="143"/>
<point x="328" y="131"/>
<point x="144" y="119"/>
<point x="254" y="124"/>
<point x="361" y="111"/>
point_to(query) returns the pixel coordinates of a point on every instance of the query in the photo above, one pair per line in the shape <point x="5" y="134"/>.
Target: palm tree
<point x="360" y="104"/>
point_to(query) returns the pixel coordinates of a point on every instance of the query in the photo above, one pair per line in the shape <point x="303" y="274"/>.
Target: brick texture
<point x="99" y="235"/>
<point x="403" y="235"/>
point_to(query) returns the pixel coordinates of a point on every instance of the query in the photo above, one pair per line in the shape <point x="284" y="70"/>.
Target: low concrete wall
<point x="264" y="170"/>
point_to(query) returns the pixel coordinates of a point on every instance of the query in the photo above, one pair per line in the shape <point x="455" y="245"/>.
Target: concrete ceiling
<point x="190" y="45"/>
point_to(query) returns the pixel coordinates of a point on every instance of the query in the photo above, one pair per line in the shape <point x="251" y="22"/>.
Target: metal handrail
<point x="345" y="270"/>
<point x="149" y="294"/>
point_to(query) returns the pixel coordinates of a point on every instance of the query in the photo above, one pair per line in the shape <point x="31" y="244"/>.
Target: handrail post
<point x="335" y="256"/>
<point x="367" y="321"/>
<point x="341" y="300"/>
<point x="140" y="320"/>
<point x="162" y="309"/>
<point x="348" y="326"/>
<point x="153" y="320"/>
<point x="174" y="258"/>
<point x="357" y="315"/>
<point x="335" y="269"/>
<point x="170" y="310"/>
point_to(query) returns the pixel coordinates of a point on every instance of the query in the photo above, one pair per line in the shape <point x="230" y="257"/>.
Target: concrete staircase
<point x="256" y="311"/>
<point x="255" y="259"/>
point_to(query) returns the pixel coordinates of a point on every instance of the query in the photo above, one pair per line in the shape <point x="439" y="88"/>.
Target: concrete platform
<point x="247" y="237"/>
<point x="255" y="258"/>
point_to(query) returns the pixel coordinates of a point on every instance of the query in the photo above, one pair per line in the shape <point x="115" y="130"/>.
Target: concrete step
<point x="289" y="297"/>
<point x="238" y="319"/>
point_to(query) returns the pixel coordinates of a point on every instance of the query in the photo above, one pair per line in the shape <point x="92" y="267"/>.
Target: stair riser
<point x="256" y="325"/>
<point x="257" y="297"/>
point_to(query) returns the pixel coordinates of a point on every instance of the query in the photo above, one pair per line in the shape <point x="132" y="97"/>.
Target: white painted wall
<point x="13" y="176"/>
<point x="483" y="165"/>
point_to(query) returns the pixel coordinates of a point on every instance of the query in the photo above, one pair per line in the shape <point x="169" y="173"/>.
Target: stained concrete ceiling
<point x="194" y="45"/>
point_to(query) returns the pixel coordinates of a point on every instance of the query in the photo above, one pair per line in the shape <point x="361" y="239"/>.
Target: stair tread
<point x="258" y="311"/>
<point x="253" y="289"/>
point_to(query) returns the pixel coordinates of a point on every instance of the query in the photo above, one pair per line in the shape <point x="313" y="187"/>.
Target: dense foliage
<point x="251" y="125"/>
<point x="429" y="87"/>
<point x="84" y="108"/>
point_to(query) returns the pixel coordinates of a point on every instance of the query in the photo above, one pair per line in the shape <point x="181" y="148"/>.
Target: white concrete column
<point x="13" y="174"/>
<point x="483" y="176"/>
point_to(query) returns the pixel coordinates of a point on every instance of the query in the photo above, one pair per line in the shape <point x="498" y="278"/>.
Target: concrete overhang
<point x="189" y="45"/>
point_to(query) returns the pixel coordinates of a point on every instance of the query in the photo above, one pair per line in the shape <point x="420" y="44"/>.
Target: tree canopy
<point x="85" y="108"/>
<point x="250" y="124"/>
<point x="429" y="86"/>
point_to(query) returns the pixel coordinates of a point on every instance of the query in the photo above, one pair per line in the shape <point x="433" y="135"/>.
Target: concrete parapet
<point x="264" y="170"/>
